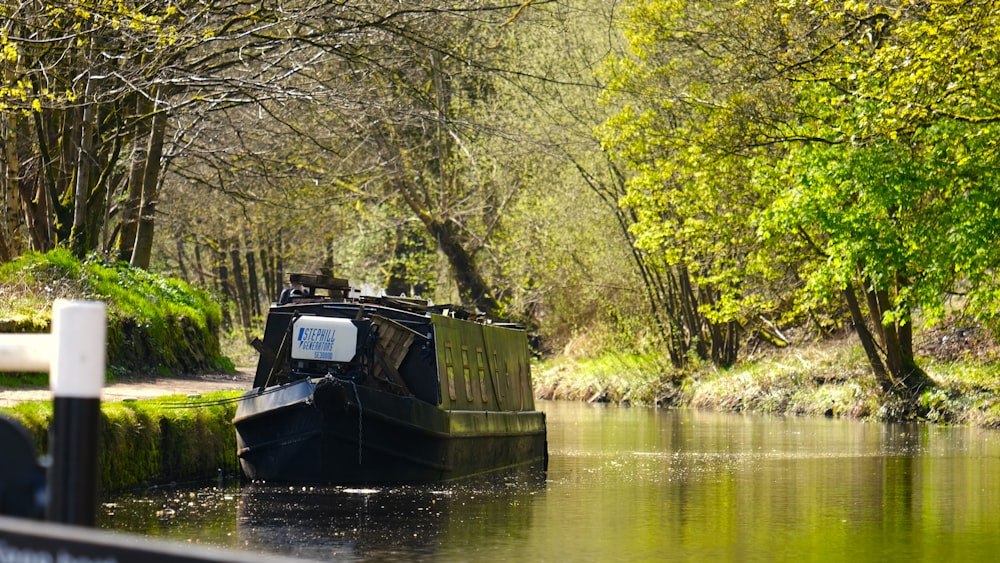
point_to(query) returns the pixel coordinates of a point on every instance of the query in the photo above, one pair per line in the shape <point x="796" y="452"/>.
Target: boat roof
<point x="327" y="289"/>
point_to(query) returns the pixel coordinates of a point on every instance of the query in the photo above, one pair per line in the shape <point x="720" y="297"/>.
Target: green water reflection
<point x="634" y="484"/>
<point x="705" y="486"/>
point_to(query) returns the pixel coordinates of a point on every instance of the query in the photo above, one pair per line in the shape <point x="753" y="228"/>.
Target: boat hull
<point x="330" y="430"/>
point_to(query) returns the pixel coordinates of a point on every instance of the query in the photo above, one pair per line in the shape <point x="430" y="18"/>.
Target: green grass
<point x="820" y="378"/>
<point x="155" y="324"/>
<point x="23" y="380"/>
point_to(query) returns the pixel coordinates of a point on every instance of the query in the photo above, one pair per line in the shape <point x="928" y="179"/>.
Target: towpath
<point x="145" y="387"/>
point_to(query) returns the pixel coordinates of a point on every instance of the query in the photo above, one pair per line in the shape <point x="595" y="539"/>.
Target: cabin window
<point x="449" y="363"/>
<point x="467" y="374"/>
<point x="481" y="364"/>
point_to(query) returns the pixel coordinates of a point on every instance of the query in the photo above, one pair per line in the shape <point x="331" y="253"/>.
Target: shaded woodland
<point x="651" y="175"/>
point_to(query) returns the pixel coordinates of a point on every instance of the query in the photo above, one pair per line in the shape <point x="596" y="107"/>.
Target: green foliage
<point x="693" y="128"/>
<point x="29" y="284"/>
<point x="23" y="380"/>
<point x="801" y="152"/>
<point x="914" y="216"/>
<point x="167" y="439"/>
<point x="969" y="393"/>
<point x="35" y="416"/>
<point x="154" y="323"/>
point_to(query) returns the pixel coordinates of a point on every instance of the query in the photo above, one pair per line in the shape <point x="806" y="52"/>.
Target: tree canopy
<point x="853" y="140"/>
<point x="700" y="173"/>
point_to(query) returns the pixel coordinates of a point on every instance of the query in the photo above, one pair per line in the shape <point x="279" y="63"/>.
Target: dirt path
<point x="145" y="388"/>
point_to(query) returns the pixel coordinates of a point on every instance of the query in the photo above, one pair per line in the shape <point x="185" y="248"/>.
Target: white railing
<point x="73" y="353"/>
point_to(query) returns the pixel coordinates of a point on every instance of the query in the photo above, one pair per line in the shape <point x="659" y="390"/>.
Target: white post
<point x="76" y="377"/>
<point x="79" y="329"/>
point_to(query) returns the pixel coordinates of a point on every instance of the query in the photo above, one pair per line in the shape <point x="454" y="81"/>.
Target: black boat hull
<point x="330" y="430"/>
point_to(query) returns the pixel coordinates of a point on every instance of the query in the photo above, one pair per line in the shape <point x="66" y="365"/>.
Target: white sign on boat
<point x="324" y="338"/>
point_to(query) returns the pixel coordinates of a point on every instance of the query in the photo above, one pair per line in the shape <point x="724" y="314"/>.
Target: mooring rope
<point x="360" y="418"/>
<point x="193" y="403"/>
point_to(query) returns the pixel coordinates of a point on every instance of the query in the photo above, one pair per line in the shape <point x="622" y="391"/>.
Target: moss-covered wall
<point x="166" y="345"/>
<point x="154" y="441"/>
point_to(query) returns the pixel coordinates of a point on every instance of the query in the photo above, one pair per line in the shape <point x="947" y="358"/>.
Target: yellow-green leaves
<point x="9" y="53"/>
<point x="852" y="143"/>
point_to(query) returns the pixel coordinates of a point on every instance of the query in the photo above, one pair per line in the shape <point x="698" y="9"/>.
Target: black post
<point x="73" y="473"/>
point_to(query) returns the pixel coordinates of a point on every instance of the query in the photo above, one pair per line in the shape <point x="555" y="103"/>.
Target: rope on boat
<point x="196" y="403"/>
<point x="357" y="397"/>
<point x="193" y="404"/>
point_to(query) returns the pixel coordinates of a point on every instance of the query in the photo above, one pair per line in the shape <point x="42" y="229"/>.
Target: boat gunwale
<point x="374" y="413"/>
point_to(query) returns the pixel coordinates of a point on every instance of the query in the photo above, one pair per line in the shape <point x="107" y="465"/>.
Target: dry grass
<point x="614" y="378"/>
<point x="827" y="377"/>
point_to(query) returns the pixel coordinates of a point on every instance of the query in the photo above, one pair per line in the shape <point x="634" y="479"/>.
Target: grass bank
<point x="827" y="378"/>
<point x="155" y="324"/>
<point x="169" y="439"/>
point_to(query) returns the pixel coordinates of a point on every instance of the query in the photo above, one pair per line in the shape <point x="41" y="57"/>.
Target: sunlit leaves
<point x="701" y="108"/>
<point x="48" y="45"/>
<point x="900" y="200"/>
<point x="866" y="131"/>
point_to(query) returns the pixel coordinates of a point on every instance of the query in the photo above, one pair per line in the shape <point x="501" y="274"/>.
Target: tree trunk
<point x="471" y="285"/>
<point x="225" y="287"/>
<point x="279" y="266"/>
<point x="239" y="283"/>
<point x="43" y="203"/>
<point x="182" y="260"/>
<point x="693" y="320"/>
<point x="137" y="169"/>
<point x="199" y="267"/>
<point x="867" y="339"/>
<point x="253" y="289"/>
<point x="725" y="343"/>
<point x="10" y="245"/>
<point x="670" y="304"/>
<point x="267" y="271"/>
<point x="101" y="198"/>
<point x="79" y="235"/>
<point x="897" y="340"/>
<point x="143" y="249"/>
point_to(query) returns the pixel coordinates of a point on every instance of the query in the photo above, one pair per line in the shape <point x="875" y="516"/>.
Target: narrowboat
<point x="372" y="390"/>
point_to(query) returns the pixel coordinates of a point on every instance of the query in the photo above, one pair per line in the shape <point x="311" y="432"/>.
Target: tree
<point x="698" y="109"/>
<point x="897" y="200"/>
<point x="852" y="131"/>
<point x="137" y="75"/>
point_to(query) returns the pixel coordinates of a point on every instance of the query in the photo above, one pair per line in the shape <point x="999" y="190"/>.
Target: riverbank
<point x="172" y="438"/>
<point x="154" y="430"/>
<point x="823" y="378"/>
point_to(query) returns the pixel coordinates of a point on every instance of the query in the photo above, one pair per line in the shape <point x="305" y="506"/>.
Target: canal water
<point x="635" y="484"/>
